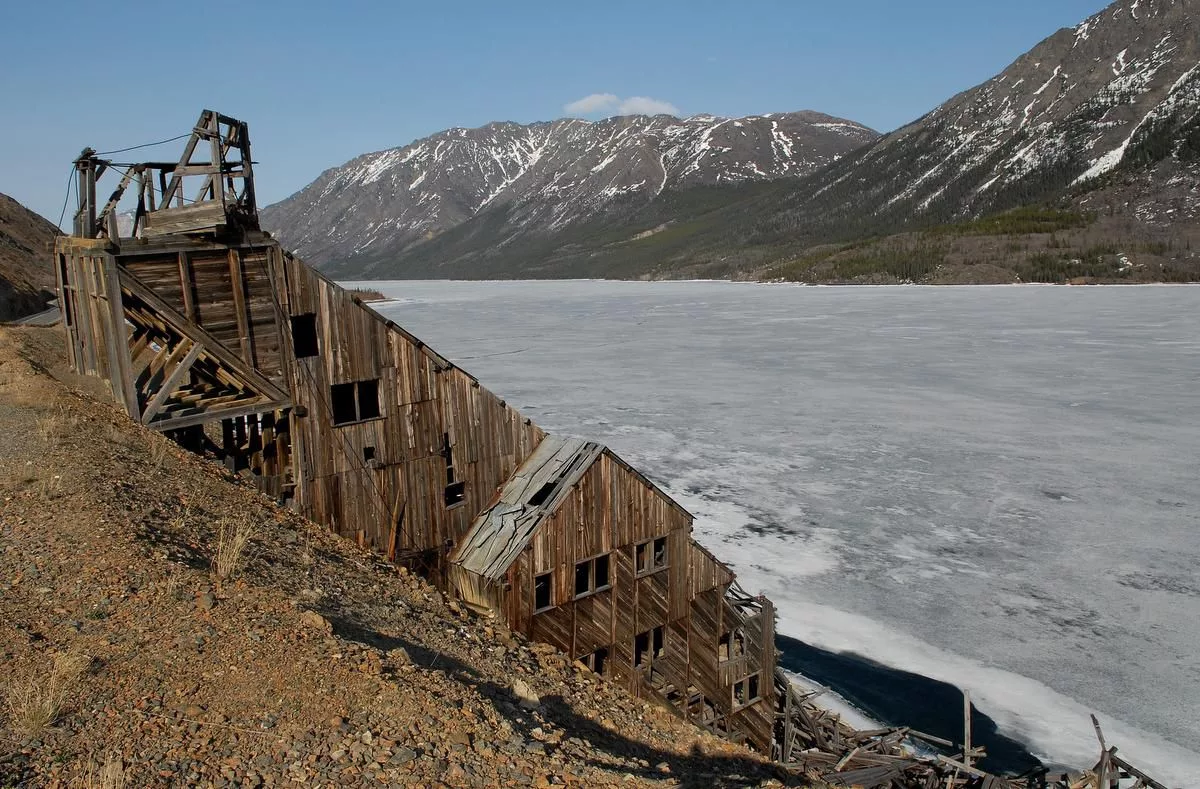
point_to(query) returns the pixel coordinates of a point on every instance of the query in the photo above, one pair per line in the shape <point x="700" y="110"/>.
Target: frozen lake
<point x="991" y="486"/>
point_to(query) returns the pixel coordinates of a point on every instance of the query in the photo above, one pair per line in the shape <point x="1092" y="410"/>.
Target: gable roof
<point x="531" y="495"/>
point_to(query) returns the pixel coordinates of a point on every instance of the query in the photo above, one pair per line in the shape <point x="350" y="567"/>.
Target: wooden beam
<point x="237" y="281"/>
<point x="191" y="420"/>
<point x="171" y="381"/>
<point x="186" y="282"/>
<point x="212" y="346"/>
<point x="175" y="188"/>
<point x="120" y="363"/>
<point x="115" y="198"/>
<point x="207" y="168"/>
<point x="197" y="217"/>
<point x="1135" y="772"/>
<point x="966" y="727"/>
<point x="946" y="760"/>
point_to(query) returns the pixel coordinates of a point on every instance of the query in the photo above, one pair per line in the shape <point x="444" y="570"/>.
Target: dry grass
<point x="52" y="427"/>
<point x="160" y="450"/>
<point x="233" y="537"/>
<point x="50" y="487"/>
<point x="109" y="776"/>
<point x="37" y="699"/>
<point x="49" y="427"/>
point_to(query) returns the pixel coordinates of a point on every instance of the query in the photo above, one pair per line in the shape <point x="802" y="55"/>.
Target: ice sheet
<point x="991" y="486"/>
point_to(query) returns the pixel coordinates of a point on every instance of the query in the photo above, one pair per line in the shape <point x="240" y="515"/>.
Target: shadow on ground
<point x="613" y="751"/>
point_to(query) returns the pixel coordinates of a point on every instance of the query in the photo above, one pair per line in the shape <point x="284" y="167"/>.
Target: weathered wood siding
<point x="609" y="511"/>
<point x="396" y="500"/>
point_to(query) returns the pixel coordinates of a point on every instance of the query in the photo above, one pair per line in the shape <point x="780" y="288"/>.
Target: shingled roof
<point x="531" y="495"/>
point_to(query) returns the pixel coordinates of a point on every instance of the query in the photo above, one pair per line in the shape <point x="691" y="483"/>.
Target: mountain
<point x="1080" y="161"/>
<point x="26" y="245"/>
<point x="1117" y="93"/>
<point x="542" y="177"/>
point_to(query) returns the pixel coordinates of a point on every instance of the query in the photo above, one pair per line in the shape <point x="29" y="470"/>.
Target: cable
<point x="144" y="145"/>
<point x="66" y="198"/>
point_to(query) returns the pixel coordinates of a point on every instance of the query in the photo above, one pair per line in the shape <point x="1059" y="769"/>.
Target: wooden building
<point x="206" y="329"/>
<point x="581" y="551"/>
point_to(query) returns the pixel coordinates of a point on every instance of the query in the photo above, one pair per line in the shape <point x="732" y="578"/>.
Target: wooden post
<point x="173" y="378"/>
<point x="967" y="752"/>
<point x="186" y="283"/>
<point x="237" y="281"/>
<point x="120" y="364"/>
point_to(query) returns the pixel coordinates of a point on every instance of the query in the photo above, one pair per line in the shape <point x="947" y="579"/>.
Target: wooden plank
<point x="204" y="216"/>
<point x="120" y="353"/>
<point x="237" y="282"/>
<point x="966" y="694"/>
<point x="191" y="420"/>
<point x="208" y="168"/>
<point x="172" y="380"/>
<point x="1135" y="772"/>
<point x="187" y="286"/>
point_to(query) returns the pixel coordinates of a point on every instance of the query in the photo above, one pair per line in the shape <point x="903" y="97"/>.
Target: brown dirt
<point x="318" y="664"/>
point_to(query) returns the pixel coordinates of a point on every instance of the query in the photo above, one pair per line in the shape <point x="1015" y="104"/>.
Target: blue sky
<point x="320" y="83"/>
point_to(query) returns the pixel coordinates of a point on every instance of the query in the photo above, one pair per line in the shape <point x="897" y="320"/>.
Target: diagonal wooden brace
<point x="213" y="348"/>
<point x="172" y="380"/>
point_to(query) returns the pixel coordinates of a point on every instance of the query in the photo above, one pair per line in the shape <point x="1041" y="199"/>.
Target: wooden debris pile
<point x="818" y="744"/>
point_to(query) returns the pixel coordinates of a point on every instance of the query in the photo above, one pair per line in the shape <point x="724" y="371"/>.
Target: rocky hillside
<point x="139" y="647"/>
<point x="543" y="177"/>
<point x="26" y="276"/>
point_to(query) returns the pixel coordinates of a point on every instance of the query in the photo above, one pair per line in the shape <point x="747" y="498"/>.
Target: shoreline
<point x="901" y="698"/>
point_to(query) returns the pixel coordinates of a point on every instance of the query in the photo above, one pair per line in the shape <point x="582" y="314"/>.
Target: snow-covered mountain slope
<point x="1120" y="91"/>
<point x="546" y="176"/>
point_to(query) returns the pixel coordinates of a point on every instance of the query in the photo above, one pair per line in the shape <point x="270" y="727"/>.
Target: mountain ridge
<point x="555" y="173"/>
<point x="1101" y="120"/>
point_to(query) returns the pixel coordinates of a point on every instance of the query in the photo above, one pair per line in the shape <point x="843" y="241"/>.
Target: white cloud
<point x="598" y="103"/>
<point x="644" y="105"/>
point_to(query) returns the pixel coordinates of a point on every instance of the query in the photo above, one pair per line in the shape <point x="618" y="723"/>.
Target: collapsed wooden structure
<point x="207" y="330"/>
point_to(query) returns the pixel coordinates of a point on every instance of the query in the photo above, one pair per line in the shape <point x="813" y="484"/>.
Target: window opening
<point x="456" y="490"/>
<point x="544" y="492"/>
<point x="65" y="305"/>
<point x="456" y="493"/>
<point x="355" y="402"/>
<point x="344" y="410"/>
<point x="596" y="660"/>
<point x="746" y="691"/>
<point x="650" y="556"/>
<point x="732" y="645"/>
<point x="541" y="592"/>
<point x="601" y="564"/>
<point x="592" y="576"/>
<point x="648" y="647"/>
<point x="304" y="335"/>
<point x="368" y="454"/>
<point x="368" y="399"/>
